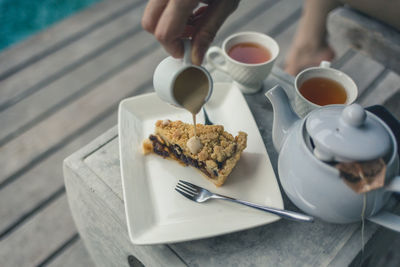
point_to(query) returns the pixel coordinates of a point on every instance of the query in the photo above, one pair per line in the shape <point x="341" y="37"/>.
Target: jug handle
<point x="187" y="54"/>
<point x="387" y="220"/>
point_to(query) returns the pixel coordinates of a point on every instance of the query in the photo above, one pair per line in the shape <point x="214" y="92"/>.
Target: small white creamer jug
<point x="179" y="76"/>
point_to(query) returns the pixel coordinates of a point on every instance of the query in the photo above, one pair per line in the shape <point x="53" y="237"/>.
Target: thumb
<point x="201" y="42"/>
<point x="208" y="26"/>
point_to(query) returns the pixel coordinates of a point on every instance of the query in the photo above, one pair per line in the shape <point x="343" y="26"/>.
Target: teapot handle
<point x="384" y="218"/>
<point x="394" y="185"/>
<point x="387" y="220"/>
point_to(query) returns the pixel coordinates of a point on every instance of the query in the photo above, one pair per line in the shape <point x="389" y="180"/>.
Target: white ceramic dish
<point x="155" y="212"/>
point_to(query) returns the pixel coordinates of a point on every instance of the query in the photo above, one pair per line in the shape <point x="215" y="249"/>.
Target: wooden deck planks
<point x="37" y="187"/>
<point x="363" y="71"/>
<point x="388" y="86"/>
<point x="70" y="30"/>
<point x="74" y="256"/>
<point x="240" y="18"/>
<point x="113" y="52"/>
<point x="270" y="18"/>
<point x="45" y="71"/>
<point x="34" y="241"/>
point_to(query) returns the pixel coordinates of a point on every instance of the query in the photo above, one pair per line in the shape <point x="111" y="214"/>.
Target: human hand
<point x="171" y="20"/>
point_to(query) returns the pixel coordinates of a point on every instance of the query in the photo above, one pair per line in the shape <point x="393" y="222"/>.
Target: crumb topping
<point x="216" y="154"/>
<point x="218" y="145"/>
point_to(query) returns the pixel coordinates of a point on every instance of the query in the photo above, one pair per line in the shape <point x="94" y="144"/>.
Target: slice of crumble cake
<point x="215" y="155"/>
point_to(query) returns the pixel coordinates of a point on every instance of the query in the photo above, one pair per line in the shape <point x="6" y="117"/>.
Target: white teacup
<point x="302" y="105"/>
<point x="171" y="71"/>
<point x="248" y="77"/>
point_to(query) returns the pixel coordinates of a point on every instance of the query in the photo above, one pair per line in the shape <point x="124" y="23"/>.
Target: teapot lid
<point x="347" y="133"/>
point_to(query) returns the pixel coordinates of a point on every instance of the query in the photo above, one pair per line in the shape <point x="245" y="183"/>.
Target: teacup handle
<point x="216" y="51"/>
<point x="325" y="64"/>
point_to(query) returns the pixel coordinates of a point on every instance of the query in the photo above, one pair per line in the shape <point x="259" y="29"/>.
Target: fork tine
<point x="189" y="188"/>
<point x="182" y="188"/>
<point x="191" y="185"/>
<point x="184" y="194"/>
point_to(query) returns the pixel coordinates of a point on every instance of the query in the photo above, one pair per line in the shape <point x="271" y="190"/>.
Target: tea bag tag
<point x="363" y="177"/>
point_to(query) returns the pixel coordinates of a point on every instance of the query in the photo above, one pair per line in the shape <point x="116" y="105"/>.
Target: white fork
<point x="199" y="194"/>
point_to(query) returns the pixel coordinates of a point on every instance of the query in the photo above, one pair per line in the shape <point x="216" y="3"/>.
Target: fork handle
<point x="291" y="215"/>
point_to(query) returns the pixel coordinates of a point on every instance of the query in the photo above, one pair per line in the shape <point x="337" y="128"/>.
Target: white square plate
<point x="155" y="212"/>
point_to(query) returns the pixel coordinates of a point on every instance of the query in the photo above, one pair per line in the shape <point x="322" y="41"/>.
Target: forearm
<point x="314" y="17"/>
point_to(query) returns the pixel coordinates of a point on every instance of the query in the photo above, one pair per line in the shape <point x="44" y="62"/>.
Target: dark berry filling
<point x="176" y="151"/>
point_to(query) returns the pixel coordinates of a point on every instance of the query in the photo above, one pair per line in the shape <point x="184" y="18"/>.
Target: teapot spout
<point x="284" y="116"/>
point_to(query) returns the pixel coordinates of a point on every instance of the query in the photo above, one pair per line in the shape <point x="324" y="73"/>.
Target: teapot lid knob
<point x="354" y="115"/>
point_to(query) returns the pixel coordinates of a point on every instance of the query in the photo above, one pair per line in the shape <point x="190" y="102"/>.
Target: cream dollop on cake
<point x="194" y="145"/>
<point x="166" y="122"/>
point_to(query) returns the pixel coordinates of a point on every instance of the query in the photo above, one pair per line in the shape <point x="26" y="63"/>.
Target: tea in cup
<point x="248" y="58"/>
<point x="249" y="53"/>
<point x="320" y="86"/>
<point x="179" y="82"/>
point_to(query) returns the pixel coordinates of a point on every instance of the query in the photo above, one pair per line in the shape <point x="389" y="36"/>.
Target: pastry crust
<point x="218" y="156"/>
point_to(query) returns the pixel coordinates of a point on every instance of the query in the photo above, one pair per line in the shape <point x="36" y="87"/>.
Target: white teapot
<point x="337" y="133"/>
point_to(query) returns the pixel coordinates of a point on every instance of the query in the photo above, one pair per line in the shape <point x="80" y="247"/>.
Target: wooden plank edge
<point x="75" y="255"/>
<point x="68" y="243"/>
